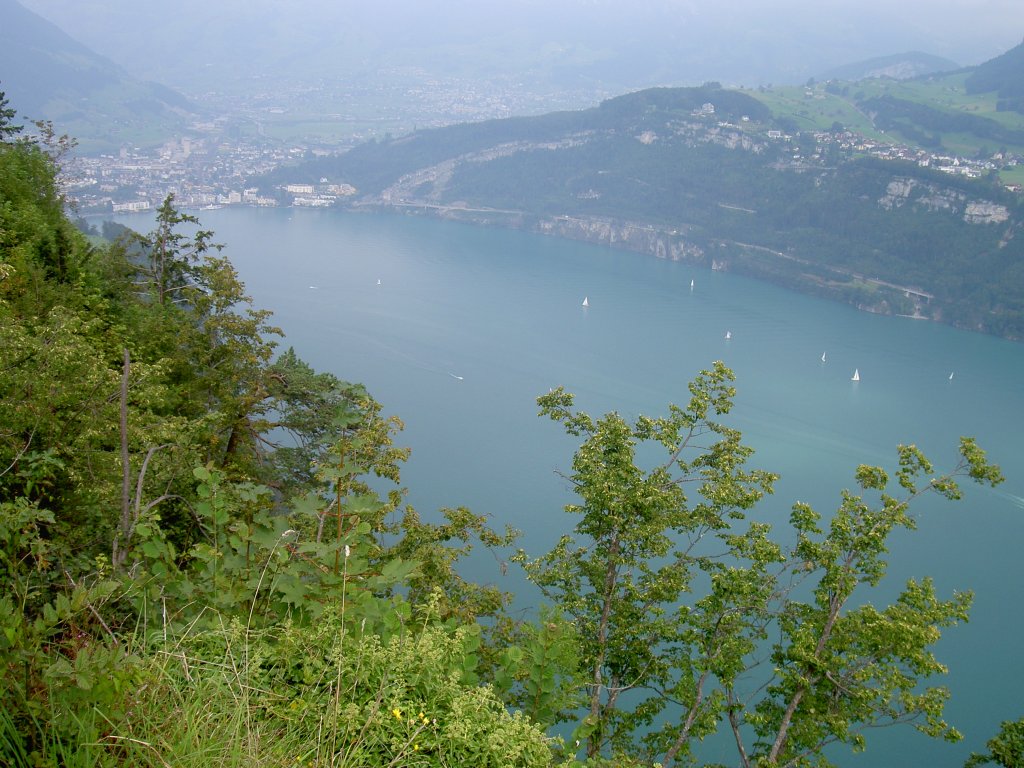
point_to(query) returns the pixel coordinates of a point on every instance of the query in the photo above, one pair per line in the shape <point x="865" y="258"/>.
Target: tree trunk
<point x="119" y="549"/>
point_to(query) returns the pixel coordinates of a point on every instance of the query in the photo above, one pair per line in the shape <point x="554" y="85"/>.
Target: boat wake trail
<point x="1017" y="501"/>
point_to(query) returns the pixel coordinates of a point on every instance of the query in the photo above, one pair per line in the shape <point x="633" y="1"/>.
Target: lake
<point x="458" y="329"/>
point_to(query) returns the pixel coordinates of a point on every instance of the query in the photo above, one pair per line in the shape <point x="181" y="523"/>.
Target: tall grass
<point x="314" y="697"/>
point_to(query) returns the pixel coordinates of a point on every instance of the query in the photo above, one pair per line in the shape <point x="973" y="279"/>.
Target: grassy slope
<point x="819" y="106"/>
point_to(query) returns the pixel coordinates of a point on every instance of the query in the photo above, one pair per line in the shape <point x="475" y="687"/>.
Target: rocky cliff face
<point x="429" y="191"/>
<point x="982" y="212"/>
<point x="905" y="191"/>
<point x="642" y="238"/>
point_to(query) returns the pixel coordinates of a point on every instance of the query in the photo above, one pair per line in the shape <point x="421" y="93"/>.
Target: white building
<point x="133" y="206"/>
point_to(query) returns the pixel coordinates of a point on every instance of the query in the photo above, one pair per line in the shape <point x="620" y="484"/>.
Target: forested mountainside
<point x="715" y="177"/>
<point x="203" y="565"/>
<point x="1002" y="75"/>
<point x="50" y="76"/>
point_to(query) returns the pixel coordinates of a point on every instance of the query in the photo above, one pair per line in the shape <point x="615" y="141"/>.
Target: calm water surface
<point x="458" y="329"/>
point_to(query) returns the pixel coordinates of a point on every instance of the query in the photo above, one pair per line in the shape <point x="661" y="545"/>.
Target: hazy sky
<point x="642" y="42"/>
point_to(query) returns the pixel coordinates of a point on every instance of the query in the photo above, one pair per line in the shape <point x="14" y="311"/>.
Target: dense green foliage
<point x="199" y="565"/>
<point x="689" y="664"/>
<point x="7" y="115"/>
<point x="171" y="485"/>
<point x="1005" y="749"/>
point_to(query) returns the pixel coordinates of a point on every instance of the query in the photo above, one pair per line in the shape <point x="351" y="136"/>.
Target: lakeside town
<point x="214" y="171"/>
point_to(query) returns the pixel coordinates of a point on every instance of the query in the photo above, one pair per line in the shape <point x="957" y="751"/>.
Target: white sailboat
<point x="586" y="301"/>
<point x="856" y="375"/>
<point x="691" y="284"/>
<point x="823" y="357"/>
<point x="950" y="376"/>
<point x="728" y="335"/>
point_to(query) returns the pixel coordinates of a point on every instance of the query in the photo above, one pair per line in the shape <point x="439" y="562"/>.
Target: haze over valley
<point x="329" y="72"/>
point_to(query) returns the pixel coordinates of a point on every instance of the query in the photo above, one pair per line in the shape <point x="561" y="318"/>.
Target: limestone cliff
<point x="633" y="236"/>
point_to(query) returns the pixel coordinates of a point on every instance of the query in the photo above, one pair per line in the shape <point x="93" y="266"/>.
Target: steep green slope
<point x="973" y="112"/>
<point x="143" y="462"/>
<point x="50" y="76"/>
<point x="1002" y="75"/>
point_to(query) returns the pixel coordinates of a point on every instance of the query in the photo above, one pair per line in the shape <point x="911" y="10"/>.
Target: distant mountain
<point x="600" y="46"/>
<point x="46" y="74"/>
<point x="899" y="66"/>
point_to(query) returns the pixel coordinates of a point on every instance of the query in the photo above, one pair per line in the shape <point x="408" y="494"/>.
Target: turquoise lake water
<point x="458" y="329"/>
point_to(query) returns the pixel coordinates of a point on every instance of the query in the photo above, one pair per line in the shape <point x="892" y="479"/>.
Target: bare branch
<point x="17" y="458"/>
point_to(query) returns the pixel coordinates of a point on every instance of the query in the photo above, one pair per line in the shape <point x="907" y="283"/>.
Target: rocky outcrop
<point x="633" y="236"/>
<point x="896" y="193"/>
<point x="903" y="191"/>
<point x="982" y="212"/>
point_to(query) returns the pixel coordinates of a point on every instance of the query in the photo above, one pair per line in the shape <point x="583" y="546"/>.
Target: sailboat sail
<point x="586" y="301"/>
<point x="856" y="375"/>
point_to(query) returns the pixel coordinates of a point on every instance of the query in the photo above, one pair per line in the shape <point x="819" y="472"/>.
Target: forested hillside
<point x="715" y="177"/>
<point x="179" y="498"/>
<point x="1002" y="75"/>
<point x="197" y="569"/>
<point x="51" y="76"/>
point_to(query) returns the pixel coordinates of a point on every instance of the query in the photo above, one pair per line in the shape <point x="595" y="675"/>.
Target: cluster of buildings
<point x="212" y="172"/>
<point x="848" y="143"/>
<point x="201" y="173"/>
<point x="215" y="167"/>
<point x="951" y="164"/>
